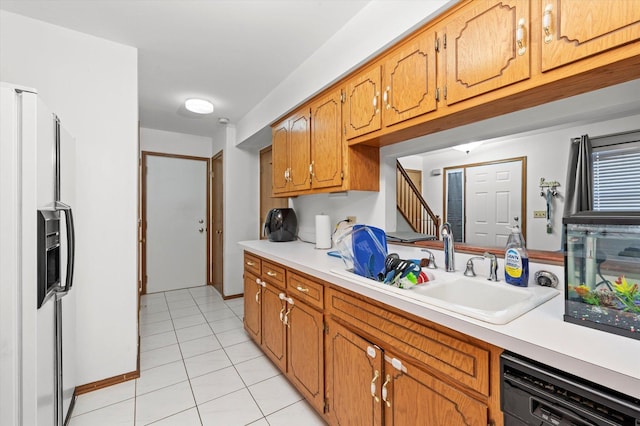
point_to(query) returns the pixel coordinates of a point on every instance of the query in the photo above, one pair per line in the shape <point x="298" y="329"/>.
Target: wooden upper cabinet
<point x="363" y="102"/>
<point x="409" y="79"/>
<point x="280" y="158"/>
<point x="487" y="47"/>
<point x="299" y="153"/>
<point x="326" y="141"/>
<point x="576" y="29"/>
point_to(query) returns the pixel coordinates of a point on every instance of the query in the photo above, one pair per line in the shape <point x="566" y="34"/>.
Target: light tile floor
<point x="198" y="367"/>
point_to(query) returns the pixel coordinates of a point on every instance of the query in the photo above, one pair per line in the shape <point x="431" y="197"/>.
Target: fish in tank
<point x="602" y="271"/>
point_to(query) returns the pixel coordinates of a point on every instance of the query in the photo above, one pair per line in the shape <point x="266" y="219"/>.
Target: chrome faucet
<point x="432" y="259"/>
<point x="449" y="251"/>
<point x="493" y="266"/>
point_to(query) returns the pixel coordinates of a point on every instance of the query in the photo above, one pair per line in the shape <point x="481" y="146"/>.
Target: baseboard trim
<point x="233" y="296"/>
<point x="121" y="378"/>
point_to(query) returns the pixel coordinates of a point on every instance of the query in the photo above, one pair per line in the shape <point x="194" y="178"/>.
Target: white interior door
<point x="176" y="214"/>
<point x="493" y="199"/>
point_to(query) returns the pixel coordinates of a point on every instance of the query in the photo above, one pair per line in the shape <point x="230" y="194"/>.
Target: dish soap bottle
<point x="516" y="259"/>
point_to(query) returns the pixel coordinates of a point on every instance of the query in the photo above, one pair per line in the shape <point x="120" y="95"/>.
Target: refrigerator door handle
<point x="71" y="243"/>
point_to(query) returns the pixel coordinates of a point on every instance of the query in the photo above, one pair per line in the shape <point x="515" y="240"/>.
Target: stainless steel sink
<point x="493" y="302"/>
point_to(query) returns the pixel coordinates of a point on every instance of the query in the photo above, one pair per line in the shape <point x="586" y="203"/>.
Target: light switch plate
<point x="539" y="214"/>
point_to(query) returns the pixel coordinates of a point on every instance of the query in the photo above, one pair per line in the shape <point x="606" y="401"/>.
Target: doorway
<point x="483" y="199"/>
<point x="175" y="225"/>
<point x="267" y="201"/>
<point x="217" y="223"/>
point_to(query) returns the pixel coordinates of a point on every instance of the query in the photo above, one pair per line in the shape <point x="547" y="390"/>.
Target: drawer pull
<point x="302" y="289"/>
<point x="272" y="274"/>
<point x="384" y="391"/>
<point x="373" y="386"/>
<point x="250" y="263"/>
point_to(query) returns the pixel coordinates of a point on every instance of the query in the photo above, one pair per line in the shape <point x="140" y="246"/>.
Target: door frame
<point x="522" y="223"/>
<point x="211" y="238"/>
<point x="143" y="209"/>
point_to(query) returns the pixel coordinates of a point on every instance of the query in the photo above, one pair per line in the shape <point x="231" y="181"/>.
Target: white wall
<point x="175" y="143"/>
<point x="91" y="84"/>
<point x="241" y="204"/>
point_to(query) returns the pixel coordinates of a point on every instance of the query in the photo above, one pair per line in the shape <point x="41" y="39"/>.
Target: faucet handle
<point x="493" y="266"/>
<point x="432" y="259"/>
<point x="469" y="271"/>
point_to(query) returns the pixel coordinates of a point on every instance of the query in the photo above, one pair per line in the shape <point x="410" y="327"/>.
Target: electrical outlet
<point x="539" y="214"/>
<point x="351" y="219"/>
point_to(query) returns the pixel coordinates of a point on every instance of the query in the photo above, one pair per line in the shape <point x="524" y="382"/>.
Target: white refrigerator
<point x="37" y="246"/>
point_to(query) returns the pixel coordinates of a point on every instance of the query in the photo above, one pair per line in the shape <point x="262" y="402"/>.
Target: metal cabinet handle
<point x="522" y="48"/>
<point x="282" y="297"/>
<point x="286" y="320"/>
<point x="385" y="97"/>
<point x="384" y="391"/>
<point x="375" y="103"/>
<point x="250" y="263"/>
<point x="373" y="386"/>
<point x="546" y="24"/>
<point x="258" y="296"/>
<point x="272" y="274"/>
<point x="302" y="289"/>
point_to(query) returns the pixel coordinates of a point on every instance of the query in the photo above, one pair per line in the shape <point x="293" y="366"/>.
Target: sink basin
<point x="493" y="302"/>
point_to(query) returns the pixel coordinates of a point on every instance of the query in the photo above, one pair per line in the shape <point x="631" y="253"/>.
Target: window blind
<point x="616" y="177"/>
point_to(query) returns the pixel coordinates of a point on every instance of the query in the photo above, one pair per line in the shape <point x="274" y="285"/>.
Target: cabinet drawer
<point x="273" y="273"/>
<point x="454" y="357"/>
<point x="251" y="264"/>
<point x="306" y="290"/>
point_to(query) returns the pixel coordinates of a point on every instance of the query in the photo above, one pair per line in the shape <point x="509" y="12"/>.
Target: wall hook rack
<point x="551" y="186"/>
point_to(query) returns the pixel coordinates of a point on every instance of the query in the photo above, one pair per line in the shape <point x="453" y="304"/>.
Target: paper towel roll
<point x="323" y="231"/>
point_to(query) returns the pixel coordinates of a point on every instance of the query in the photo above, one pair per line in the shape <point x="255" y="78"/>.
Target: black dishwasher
<point x="535" y="394"/>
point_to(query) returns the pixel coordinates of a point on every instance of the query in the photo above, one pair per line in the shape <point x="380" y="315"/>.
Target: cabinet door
<point x="354" y="374"/>
<point x="482" y="50"/>
<point x="576" y="29"/>
<point x="280" y="157"/>
<point x="273" y="329"/>
<point x="409" y="80"/>
<point x="305" y="352"/>
<point x="299" y="152"/>
<point x="326" y="141"/>
<point x="252" y="306"/>
<point x="438" y="402"/>
<point x="362" y="103"/>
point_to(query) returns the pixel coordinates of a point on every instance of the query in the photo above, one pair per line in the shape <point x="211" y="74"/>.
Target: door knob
<point x="201" y="230"/>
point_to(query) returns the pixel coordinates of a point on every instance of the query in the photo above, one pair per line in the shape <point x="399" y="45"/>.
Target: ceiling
<point x="232" y="52"/>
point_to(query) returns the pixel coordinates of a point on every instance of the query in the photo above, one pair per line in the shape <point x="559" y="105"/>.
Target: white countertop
<point x="541" y="334"/>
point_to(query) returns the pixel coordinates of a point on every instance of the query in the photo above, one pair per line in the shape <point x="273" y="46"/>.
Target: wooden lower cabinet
<point x="368" y="386"/>
<point x="411" y="396"/>
<point x="274" y="342"/>
<point x="253" y="306"/>
<point x="360" y="362"/>
<point x="354" y="377"/>
<point x="305" y="351"/>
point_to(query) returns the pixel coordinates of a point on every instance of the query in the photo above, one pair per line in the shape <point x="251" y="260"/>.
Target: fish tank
<point x="602" y="271"/>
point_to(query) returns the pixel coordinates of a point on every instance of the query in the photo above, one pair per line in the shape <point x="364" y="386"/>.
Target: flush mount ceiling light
<point x="199" y="106"/>
<point x="467" y="147"/>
